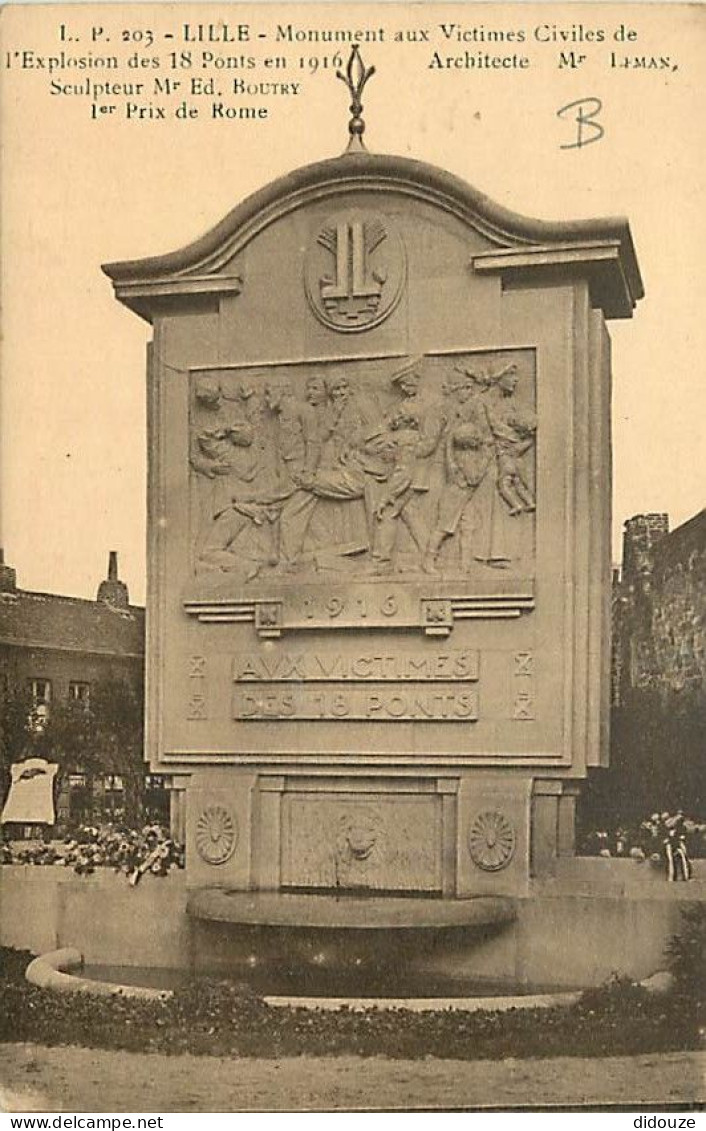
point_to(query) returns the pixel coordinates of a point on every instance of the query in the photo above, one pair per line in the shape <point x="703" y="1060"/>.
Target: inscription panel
<point x="349" y="841"/>
<point x="381" y="702"/>
<point x="455" y="665"/>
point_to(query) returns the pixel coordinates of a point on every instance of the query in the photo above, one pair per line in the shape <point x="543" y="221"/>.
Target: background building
<point x="658" y="725"/>
<point x="59" y="646"/>
<point x="659" y="608"/>
<point x="55" y="649"/>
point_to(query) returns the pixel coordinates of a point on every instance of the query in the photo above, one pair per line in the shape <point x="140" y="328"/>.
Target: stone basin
<point x="360" y="913"/>
<point x="340" y="944"/>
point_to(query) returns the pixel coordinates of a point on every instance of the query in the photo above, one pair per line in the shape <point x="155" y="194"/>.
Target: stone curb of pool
<point x="53" y="971"/>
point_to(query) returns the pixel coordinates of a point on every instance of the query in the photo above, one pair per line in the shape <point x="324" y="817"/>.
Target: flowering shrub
<point x="650" y="839"/>
<point x="36" y="852"/>
<point x="134" y="852"/>
<point x="686" y="952"/>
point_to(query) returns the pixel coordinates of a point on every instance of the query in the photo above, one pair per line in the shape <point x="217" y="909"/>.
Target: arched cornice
<point x="603" y="247"/>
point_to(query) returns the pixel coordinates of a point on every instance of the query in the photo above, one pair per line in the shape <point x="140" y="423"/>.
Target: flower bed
<point x="662" y="839"/>
<point x="133" y="852"/>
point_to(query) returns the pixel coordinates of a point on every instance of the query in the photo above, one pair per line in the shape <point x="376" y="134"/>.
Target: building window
<point x="79" y="692"/>
<point x="40" y="690"/>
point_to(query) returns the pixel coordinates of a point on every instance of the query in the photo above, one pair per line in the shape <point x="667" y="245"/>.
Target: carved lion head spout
<point x="357" y="837"/>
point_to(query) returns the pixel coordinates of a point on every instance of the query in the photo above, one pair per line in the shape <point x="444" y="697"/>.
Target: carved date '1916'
<point x="335" y="606"/>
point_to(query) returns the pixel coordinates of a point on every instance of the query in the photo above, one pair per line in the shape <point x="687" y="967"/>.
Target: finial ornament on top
<point x="355" y="78"/>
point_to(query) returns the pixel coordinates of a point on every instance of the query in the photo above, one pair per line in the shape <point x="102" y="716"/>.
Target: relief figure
<point x="510" y="496"/>
<point x="469" y="450"/>
<point x="222" y="452"/>
<point x="413" y="432"/>
<point x="513" y="430"/>
<point x="330" y="474"/>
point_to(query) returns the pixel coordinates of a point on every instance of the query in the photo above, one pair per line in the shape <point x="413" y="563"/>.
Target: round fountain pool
<point x="321" y="984"/>
<point x="328" y="951"/>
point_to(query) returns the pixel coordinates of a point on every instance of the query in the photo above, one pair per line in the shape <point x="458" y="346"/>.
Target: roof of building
<point x="74" y="624"/>
<point x="109" y="626"/>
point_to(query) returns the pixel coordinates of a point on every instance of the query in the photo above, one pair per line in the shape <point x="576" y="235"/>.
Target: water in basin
<point x="320" y="982"/>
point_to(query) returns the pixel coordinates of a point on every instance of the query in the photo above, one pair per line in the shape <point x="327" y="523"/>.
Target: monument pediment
<point x="515" y="245"/>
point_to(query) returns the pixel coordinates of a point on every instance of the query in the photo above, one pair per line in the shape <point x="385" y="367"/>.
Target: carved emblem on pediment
<point x="355" y="271"/>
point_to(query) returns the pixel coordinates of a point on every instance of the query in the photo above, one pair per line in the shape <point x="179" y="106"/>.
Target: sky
<point x="77" y="192"/>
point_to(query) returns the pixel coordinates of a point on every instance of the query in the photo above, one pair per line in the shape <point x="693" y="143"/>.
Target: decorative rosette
<point x="491" y="841"/>
<point x="216" y="834"/>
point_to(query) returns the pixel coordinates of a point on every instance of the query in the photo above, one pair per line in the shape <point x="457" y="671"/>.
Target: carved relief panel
<point x="415" y="476"/>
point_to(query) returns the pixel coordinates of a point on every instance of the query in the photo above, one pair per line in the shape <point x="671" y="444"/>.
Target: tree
<point x="15" y="733"/>
<point x="69" y="738"/>
<point x="117" y="710"/>
<point x="657" y="761"/>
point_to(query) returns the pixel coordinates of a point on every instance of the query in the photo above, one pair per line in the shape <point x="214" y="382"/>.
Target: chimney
<point x="113" y="591"/>
<point x="8" y="577"/>
<point x="641" y="533"/>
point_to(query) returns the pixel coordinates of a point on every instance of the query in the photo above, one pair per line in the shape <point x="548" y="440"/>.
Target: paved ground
<point x="34" y="1078"/>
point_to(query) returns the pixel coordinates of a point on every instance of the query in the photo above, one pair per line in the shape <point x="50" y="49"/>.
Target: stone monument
<point x="379" y="534"/>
